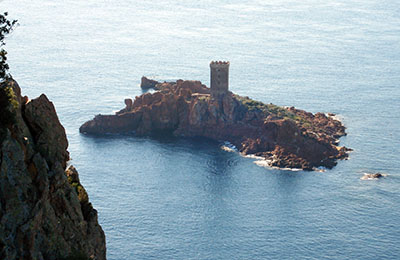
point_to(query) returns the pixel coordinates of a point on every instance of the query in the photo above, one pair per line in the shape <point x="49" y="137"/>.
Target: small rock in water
<point x="372" y="176"/>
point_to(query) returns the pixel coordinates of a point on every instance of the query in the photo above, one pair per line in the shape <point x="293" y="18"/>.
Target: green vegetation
<point x="8" y="104"/>
<point x="282" y="112"/>
<point x="7" y="96"/>
<point x="251" y="104"/>
<point x="270" y="109"/>
<point x="254" y="105"/>
<point x="80" y="190"/>
<point x="6" y="27"/>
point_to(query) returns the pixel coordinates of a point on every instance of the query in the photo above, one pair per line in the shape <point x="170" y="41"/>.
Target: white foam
<point x="252" y="156"/>
<point x="289" y="169"/>
<point x="335" y="117"/>
<point x="266" y="163"/>
<point x="263" y="163"/>
<point x="320" y="169"/>
<point x="228" y="147"/>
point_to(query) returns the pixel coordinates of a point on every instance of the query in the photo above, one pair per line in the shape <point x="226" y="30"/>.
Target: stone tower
<point x="219" y="77"/>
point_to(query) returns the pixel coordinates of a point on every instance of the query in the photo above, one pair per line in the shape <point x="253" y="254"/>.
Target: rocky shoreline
<point x="286" y="137"/>
<point x="45" y="212"/>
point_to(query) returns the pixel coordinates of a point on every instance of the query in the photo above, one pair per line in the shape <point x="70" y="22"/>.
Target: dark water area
<point x="177" y="198"/>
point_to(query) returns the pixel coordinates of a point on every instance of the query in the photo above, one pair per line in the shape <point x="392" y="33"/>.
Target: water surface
<point x="172" y="198"/>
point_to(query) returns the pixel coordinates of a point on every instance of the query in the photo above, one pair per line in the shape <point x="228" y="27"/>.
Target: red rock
<point x="148" y="83"/>
<point x="43" y="215"/>
<point x="291" y="137"/>
<point x="128" y="103"/>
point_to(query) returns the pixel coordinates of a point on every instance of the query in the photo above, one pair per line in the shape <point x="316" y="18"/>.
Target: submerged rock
<point x="45" y="212"/>
<point x="286" y="137"/>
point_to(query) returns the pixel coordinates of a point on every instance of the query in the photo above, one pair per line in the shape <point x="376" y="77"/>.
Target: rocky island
<point x="286" y="137"/>
<point x="45" y="212"/>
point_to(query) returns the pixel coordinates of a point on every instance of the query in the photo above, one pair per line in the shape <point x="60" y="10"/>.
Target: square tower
<point x="219" y="77"/>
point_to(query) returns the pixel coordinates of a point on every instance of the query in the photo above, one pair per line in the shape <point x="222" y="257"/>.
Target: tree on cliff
<point x="6" y="93"/>
<point x="6" y="27"/>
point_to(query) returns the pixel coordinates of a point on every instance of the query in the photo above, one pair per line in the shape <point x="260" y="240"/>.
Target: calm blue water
<point x="172" y="198"/>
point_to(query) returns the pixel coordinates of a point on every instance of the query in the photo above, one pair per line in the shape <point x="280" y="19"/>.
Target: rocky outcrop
<point x="45" y="212"/>
<point x="287" y="137"/>
<point x="373" y="176"/>
<point x="148" y="83"/>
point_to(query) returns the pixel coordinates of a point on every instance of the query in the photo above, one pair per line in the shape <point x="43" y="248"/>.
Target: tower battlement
<point x="219" y="64"/>
<point x="219" y="77"/>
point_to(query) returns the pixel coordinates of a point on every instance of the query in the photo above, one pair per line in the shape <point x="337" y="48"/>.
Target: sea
<point x="167" y="197"/>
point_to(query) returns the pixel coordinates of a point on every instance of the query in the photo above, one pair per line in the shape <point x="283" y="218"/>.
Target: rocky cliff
<point x="286" y="137"/>
<point x="45" y="212"/>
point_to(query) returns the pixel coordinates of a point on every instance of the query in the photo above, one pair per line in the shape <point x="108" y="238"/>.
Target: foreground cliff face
<point x="287" y="137"/>
<point x="45" y="212"/>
